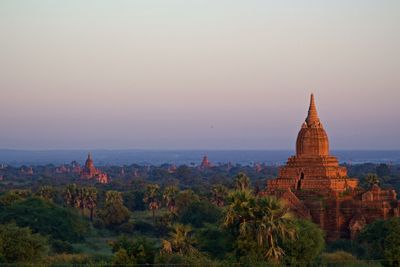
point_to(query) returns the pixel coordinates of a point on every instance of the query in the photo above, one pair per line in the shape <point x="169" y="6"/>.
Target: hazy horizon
<point x="188" y="75"/>
<point x="179" y="157"/>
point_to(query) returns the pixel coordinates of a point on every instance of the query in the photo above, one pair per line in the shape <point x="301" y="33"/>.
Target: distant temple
<point x="205" y="163"/>
<point x="172" y="168"/>
<point x="89" y="171"/>
<point x="62" y="169"/>
<point x="258" y="167"/>
<point x="316" y="187"/>
<point x="136" y="173"/>
<point x="27" y="170"/>
<point x="75" y="167"/>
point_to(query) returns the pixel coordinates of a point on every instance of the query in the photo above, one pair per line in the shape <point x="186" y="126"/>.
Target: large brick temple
<point x="317" y="188"/>
<point x="89" y="171"/>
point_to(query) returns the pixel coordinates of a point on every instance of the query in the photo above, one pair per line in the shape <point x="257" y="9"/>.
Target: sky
<point x="226" y="74"/>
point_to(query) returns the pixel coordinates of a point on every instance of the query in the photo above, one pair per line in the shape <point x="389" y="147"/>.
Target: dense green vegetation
<point x="213" y="217"/>
<point x="20" y="245"/>
<point x="45" y="218"/>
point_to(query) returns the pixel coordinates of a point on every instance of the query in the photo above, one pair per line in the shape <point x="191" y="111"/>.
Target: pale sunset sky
<point x="210" y="74"/>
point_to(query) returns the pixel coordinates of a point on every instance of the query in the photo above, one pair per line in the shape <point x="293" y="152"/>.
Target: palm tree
<point x="263" y="219"/>
<point x="80" y="202"/>
<point x="181" y="239"/>
<point x="91" y="200"/>
<point x="70" y="195"/>
<point x="219" y="194"/>
<point x="273" y="222"/>
<point x="114" y="211"/>
<point x="169" y="197"/>
<point x="46" y="192"/>
<point x="372" y="179"/>
<point x="166" y="247"/>
<point x="240" y="212"/>
<point x="242" y="181"/>
<point x="74" y="197"/>
<point x="151" y="198"/>
<point x="114" y="198"/>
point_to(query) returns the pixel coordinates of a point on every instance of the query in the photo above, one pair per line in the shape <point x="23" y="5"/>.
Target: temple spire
<point x="312" y="117"/>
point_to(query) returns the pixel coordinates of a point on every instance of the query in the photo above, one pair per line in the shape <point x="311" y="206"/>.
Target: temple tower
<point x="314" y="186"/>
<point x="313" y="168"/>
<point x="89" y="167"/>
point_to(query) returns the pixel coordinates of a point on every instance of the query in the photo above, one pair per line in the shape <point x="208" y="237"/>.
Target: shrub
<point x="144" y="227"/>
<point x="190" y="259"/>
<point x="68" y="259"/>
<point x="45" y="218"/>
<point x="346" y="245"/>
<point x="339" y="258"/>
<point x="127" y="228"/>
<point x="9" y="198"/>
<point x="381" y="240"/>
<point x="114" y="212"/>
<point x="307" y="246"/>
<point x="20" y="245"/>
<point x="121" y="257"/>
<point x="198" y="213"/>
<point x="59" y="246"/>
<point x="139" y="251"/>
<point x="184" y="199"/>
<point x="77" y="259"/>
<point x="133" y="200"/>
<point x="215" y="241"/>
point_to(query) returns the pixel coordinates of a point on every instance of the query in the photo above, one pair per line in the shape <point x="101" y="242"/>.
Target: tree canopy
<point x="45" y="218"/>
<point x="20" y="245"/>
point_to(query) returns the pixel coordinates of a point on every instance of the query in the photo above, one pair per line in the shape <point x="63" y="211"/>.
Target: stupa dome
<point x="312" y="139"/>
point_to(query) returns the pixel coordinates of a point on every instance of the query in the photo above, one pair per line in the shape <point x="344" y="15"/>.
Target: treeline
<point x="388" y="174"/>
<point x="121" y="176"/>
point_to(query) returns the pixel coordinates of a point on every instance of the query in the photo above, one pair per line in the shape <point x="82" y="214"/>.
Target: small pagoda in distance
<point x="205" y="163"/>
<point x="316" y="187"/>
<point x="89" y="172"/>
